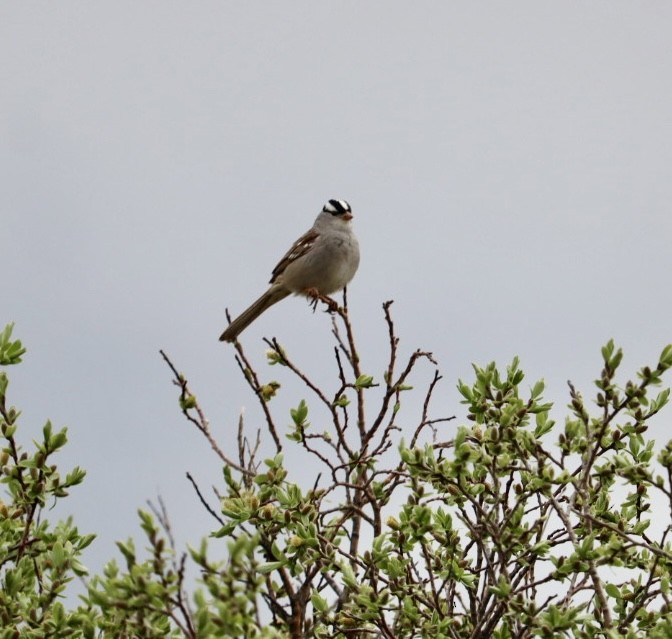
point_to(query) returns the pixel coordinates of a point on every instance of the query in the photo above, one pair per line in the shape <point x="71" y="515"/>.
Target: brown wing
<point x="299" y="248"/>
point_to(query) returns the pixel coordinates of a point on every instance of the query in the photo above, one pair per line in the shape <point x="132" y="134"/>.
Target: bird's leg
<point x="315" y="296"/>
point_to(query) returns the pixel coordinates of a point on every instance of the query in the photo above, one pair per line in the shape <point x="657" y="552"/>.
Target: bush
<point x="515" y="527"/>
<point x="37" y="560"/>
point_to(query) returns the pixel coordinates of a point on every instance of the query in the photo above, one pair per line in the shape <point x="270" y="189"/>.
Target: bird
<point x="321" y="262"/>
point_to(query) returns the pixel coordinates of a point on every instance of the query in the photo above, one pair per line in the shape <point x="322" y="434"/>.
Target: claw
<point x="332" y="305"/>
<point x="315" y="296"/>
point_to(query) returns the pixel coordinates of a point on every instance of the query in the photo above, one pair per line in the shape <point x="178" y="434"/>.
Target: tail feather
<point x="270" y="297"/>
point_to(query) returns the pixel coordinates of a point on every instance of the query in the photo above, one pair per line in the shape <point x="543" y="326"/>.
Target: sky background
<point x="509" y="166"/>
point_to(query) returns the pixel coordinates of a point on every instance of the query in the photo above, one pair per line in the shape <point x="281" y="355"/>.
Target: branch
<point x="188" y="402"/>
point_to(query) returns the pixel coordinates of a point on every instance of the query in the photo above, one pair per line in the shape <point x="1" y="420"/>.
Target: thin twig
<point x="188" y="402"/>
<point x="203" y="501"/>
<point x="252" y="380"/>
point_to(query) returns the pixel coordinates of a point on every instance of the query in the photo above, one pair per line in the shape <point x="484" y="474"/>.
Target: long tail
<point x="270" y="297"/>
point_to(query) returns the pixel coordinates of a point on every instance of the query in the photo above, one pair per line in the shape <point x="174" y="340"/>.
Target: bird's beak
<point x="347" y="216"/>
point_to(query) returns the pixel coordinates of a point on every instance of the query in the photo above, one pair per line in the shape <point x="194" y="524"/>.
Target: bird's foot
<point x="315" y="296"/>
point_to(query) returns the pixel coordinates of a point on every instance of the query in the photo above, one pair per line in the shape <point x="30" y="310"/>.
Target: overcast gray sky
<point x="509" y="166"/>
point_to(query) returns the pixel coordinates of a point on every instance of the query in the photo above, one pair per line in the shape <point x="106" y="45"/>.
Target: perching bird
<point x="320" y="262"/>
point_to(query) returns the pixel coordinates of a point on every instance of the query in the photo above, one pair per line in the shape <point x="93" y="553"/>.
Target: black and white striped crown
<point x="337" y="207"/>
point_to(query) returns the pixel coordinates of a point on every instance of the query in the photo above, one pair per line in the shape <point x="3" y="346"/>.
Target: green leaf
<point x="364" y="381"/>
<point x="270" y="566"/>
<point x="319" y="603"/>
<point x="278" y="356"/>
<point x="537" y="389"/>
<point x="349" y="578"/>
<point x="127" y="549"/>
<point x="502" y="589"/>
<point x="342" y="401"/>
<point x="300" y="413"/>
<point x="543" y="424"/>
<point x="85" y="540"/>
<point x="465" y="391"/>
<point x="58" y="556"/>
<point x="665" y="360"/>
<point x="607" y="350"/>
<point x="10" y="352"/>
<point x="613" y="590"/>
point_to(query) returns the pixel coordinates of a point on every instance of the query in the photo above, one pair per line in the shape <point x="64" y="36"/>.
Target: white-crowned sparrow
<point x="321" y="262"/>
